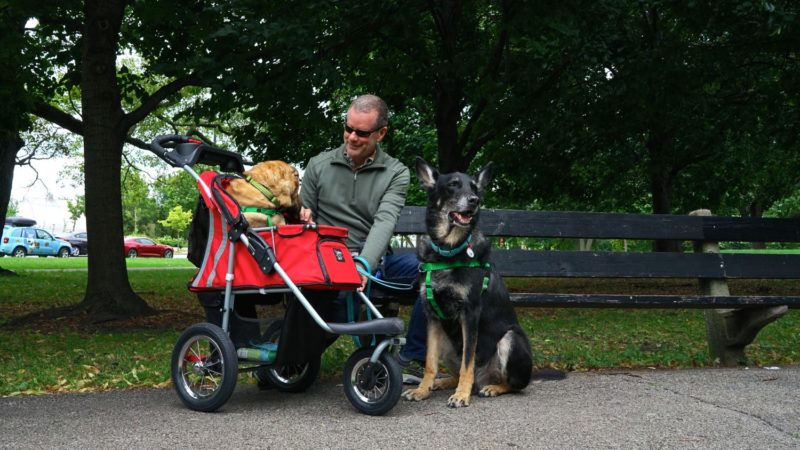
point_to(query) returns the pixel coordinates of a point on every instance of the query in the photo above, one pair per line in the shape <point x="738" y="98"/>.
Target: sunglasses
<point x="360" y="133"/>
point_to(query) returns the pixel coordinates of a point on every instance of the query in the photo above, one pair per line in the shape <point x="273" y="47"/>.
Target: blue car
<point x="24" y="241"/>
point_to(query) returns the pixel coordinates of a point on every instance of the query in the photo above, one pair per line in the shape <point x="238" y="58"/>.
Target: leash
<point x="363" y="268"/>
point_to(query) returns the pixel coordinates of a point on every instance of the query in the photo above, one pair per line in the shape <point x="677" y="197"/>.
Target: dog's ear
<point x="427" y="174"/>
<point x="484" y="176"/>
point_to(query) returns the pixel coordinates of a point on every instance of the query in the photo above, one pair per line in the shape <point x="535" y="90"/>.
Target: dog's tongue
<point x="461" y="218"/>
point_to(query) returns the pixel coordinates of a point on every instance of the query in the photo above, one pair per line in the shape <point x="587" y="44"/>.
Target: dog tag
<point x="470" y="253"/>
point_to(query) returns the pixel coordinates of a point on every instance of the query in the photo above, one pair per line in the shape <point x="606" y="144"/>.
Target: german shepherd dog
<point x="268" y="194"/>
<point x="472" y="325"/>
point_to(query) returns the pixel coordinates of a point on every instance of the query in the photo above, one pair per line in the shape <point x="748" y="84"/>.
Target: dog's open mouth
<point x="463" y="218"/>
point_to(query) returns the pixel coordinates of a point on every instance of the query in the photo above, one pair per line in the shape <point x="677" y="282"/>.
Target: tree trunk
<point x="448" y="89"/>
<point x="108" y="294"/>
<point x="756" y="209"/>
<point x="659" y="147"/>
<point x="10" y="143"/>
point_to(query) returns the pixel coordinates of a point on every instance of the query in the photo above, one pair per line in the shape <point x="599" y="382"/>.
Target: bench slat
<point x="746" y="229"/>
<point x="518" y="223"/>
<point x="572" y="264"/>
<point x="648" y="301"/>
<point x="535" y="263"/>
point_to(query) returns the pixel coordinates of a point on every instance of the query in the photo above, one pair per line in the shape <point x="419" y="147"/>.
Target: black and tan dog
<point x="472" y="326"/>
<point x="268" y="194"/>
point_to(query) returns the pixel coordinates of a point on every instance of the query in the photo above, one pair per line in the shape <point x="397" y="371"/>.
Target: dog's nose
<point x="473" y="200"/>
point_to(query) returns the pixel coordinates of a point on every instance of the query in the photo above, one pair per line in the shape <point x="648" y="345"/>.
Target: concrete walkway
<point x="705" y="408"/>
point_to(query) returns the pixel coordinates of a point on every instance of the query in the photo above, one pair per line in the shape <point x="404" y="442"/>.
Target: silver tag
<point x="470" y="253"/>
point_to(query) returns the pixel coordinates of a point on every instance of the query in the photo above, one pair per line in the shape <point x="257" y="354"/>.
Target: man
<point x="360" y="187"/>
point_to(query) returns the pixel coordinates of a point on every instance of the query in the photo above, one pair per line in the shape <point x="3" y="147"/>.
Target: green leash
<point x="430" y="267"/>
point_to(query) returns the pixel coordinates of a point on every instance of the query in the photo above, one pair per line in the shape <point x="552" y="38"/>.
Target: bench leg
<point x="729" y="331"/>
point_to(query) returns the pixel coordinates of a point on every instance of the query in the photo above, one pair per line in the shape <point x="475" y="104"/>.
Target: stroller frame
<point x="205" y="362"/>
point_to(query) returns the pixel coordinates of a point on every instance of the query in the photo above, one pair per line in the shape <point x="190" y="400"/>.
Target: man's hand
<point x="363" y="283"/>
<point x="305" y="215"/>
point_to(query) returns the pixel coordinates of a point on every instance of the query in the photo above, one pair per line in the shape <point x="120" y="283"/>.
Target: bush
<point x="177" y="242"/>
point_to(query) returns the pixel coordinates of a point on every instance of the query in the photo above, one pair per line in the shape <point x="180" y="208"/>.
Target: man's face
<point x="360" y="148"/>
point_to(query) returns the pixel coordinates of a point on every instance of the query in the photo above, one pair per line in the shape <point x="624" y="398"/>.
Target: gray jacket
<point x="367" y="202"/>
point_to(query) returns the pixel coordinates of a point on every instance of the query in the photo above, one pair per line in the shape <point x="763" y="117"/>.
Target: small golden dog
<point x="268" y="193"/>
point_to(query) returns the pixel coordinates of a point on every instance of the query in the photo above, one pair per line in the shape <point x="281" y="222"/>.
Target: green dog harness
<point x="430" y="267"/>
<point x="266" y="211"/>
<point x="269" y="212"/>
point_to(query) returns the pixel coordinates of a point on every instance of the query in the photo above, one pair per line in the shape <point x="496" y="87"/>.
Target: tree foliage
<point x="177" y="221"/>
<point x="655" y="105"/>
<point x="76" y="208"/>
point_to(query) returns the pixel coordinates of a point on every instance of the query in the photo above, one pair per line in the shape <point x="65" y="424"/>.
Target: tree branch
<point x="152" y="102"/>
<point x="52" y="114"/>
<point x="136" y="142"/>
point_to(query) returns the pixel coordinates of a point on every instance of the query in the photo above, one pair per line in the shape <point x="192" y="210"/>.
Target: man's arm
<point x="380" y="234"/>
<point x="308" y="193"/>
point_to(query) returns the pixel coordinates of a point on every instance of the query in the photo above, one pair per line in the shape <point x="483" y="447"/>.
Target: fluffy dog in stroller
<point x="268" y="194"/>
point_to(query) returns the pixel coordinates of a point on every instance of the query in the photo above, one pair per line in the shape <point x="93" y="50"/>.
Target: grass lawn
<point x="64" y="355"/>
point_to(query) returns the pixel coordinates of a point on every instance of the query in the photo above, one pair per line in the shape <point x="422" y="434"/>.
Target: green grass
<point x="35" y="362"/>
<point x="53" y="358"/>
<point x="19" y="264"/>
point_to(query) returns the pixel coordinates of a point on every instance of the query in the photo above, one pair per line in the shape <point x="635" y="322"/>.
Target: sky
<point x="45" y="201"/>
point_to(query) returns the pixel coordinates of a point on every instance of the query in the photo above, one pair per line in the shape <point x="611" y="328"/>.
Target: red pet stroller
<point x="292" y="260"/>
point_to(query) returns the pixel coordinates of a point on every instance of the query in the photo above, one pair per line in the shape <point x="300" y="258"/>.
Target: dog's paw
<point x="449" y="382"/>
<point x="458" y="401"/>
<point x="417" y="394"/>
<point x="492" y="390"/>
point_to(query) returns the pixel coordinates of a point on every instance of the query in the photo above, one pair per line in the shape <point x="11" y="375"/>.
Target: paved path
<point x="707" y="408"/>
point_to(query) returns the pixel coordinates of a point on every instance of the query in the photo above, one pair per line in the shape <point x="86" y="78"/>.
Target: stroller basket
<point x="313" y="256"/>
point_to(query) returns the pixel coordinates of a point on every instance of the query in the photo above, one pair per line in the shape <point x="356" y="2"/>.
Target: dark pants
<point x="400" y="268"/>
<point x="404" y="268"/>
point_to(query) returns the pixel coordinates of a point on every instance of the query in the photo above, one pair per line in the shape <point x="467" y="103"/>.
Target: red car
<point x="142" y="246"/>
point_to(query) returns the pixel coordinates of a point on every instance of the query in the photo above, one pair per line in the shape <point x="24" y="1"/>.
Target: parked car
<point x="24" y="241"/>
<point x="17" y="221"/>
<point x="142" y="246"/>
<point x="80" y="245"/>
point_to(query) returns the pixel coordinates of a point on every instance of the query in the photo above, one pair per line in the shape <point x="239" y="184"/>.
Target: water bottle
<point x="256" y="354"/>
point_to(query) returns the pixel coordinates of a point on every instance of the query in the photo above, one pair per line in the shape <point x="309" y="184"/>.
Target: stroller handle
<point x="188" y="151"/>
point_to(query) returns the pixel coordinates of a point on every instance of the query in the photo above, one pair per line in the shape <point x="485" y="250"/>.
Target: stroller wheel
<point x="375" y="388"/>
<point x="289" y="378"/>
<point x="204" y="367"/>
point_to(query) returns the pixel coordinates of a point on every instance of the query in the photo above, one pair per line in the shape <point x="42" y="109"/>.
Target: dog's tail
<point x="547" y="374"/>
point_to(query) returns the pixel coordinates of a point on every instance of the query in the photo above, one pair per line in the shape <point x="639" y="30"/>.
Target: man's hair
<point x="368" y="102"/>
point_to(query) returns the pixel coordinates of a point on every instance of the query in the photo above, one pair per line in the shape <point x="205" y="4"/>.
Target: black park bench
<point x="733" y="321"/>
